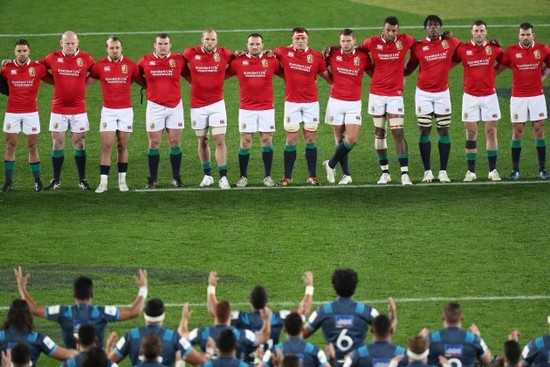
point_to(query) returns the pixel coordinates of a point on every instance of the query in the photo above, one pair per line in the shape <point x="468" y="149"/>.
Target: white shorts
<point x="212" y="116"/>
<point x="295" y="113"/>
<point x="75" y="123"/>
<point x="29" y="123"/>
<point x="380" y="105"/>
<point x="252" y="121"/>
<point x="341" y="112"/>
<point x="523" y="109"/>
<point x="113" y="119"/>
<point x="476" y="109"/>
<point x="427" y="103"/>
<point x="159" y="117"/>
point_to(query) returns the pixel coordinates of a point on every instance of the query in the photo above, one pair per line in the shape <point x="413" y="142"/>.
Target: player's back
<point x="537" y="352"/>
<point x="376" y="354"/>
<point x="37" y="342"/>
<point x="225" y="362"/>
<point x="344" y="323"/>
<point x="252" y="320"/>
<point x="459" y="346"/>
<point x="309" y="354"/>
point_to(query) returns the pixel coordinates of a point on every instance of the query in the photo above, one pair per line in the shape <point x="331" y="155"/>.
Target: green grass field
<point x="485" y="245"/>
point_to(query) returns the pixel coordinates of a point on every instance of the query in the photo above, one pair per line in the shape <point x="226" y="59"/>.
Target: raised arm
<point x="262" y="336"/>
<point x="136" y="308"/>
<point x="211" y="299"/>
<point x="392" y="311"/>
<point x="183" y="328"/>
<point x="307" y="301"/>
<point x="36" y="310"/>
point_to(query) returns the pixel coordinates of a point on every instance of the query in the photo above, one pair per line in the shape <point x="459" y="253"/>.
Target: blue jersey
<point x="309" y="354"/>
<point x="150" y="364"/>
<point x="38" y="343"/>
<point x="537" y="352"/>
<point x="77" y="361"/>
<point x="225" y="362"/>
<point x="459" y="346"/>
<point x="376" y="354"/>
<point x="70" y="318"/>
<point x="170" y="340"/>
<point x="252" y="320"/>
<point x="344" y="323"/>
<point x="246" y="340"/>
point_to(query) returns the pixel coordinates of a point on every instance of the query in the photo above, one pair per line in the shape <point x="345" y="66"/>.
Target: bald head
<point x="69" y="43"/>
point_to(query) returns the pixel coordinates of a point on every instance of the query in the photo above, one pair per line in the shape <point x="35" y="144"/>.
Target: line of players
<point x="206" y="67"/>
<point x="245" y="338"/>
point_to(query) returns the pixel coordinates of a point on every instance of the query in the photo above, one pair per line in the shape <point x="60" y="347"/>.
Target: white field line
<point x="265" y="30"/>
<point x="377" y="301"/>
<point x="337" y="187"/>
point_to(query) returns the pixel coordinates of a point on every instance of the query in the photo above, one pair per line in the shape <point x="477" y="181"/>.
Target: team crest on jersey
<point x="343" y="321"/>
<point x="310" y="59"/>
<point x="107" y="68"/>
<point x="124" y="69"/>
<point x="425" y="48"/>
<point x="536" y="54"/>
<point x="172" y="63"/>
<point x="445" y="44"/>
<point x="356" y="60"/>
<point x="217" y="57"/>
<point x="399" y="45"/>
<point x="79" y="62"/>
<point x="265" y="63"/>
<point x="488" y="50"/>
<point x="32" y="71"/>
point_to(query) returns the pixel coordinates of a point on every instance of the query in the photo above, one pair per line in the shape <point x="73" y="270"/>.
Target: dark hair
<point x="154" y="307"/>
<point x="95" y="357"/>
<point x="512" y="352"/>
<point x="20" y="354"/>
<point x="291" y="361"/>
<point x="223" y="311"/>
<point x="525" y="26"/>
<point x="19" y="316"/>
<point x="381" y="325"/>
<point x="258" y="297"/>
<point x="299" y="30"/>
<point x="22" y="42"/>
<point x="391" y="21"/>
<point x="163" y="35"/>
<point x="478" y="23"/>
<point x="255" y="35"/>
<point x="293" y="324"/>
<point x="151" y="347"/>
<point x="453" y="313"/>
<point x="227" y="342"/>
<point x="433" y="19"/>
<point x="83" y="288"/>
<point x="87" y="335"/>
<point x="347" y="32"/>
<point x="344" y="282"/>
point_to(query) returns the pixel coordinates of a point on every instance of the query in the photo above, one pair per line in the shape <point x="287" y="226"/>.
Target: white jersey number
<point x="345" y="342"/>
